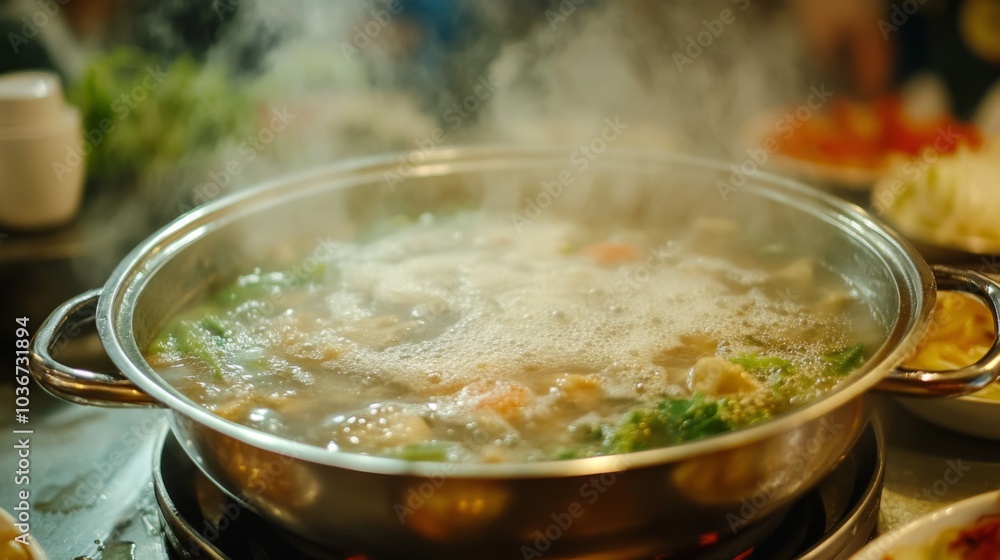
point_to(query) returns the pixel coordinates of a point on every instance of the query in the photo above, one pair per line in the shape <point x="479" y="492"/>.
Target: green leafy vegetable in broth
<point x="205" y="340"/>
<point x="669" y="422"/>
<point x="775" y="369"/>
<point x="845" y="360"/>
<point x="456" y="338"/>
<point x="763" y="364"/>
<point x="264" y="286"/>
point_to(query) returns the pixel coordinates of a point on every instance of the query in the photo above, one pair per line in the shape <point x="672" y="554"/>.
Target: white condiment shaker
<point x="41" y="153"/>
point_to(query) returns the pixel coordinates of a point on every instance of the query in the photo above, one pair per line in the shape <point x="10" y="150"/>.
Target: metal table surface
<point x="92" y="495"/>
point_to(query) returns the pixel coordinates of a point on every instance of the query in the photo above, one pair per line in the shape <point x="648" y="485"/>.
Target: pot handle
<point x="72" y="384"/>
<point x="964" y="380"/>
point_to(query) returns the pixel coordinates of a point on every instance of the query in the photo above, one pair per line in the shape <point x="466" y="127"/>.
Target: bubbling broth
<point x="457" y="337"/>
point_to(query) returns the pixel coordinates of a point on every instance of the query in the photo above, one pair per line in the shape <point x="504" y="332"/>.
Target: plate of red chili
<point x="965" y="530"/>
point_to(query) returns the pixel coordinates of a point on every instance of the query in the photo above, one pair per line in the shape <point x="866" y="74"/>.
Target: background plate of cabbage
<point x="949" y="201"/>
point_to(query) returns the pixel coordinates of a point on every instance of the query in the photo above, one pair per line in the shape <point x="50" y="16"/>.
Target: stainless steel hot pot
<point x="718" y="492"/>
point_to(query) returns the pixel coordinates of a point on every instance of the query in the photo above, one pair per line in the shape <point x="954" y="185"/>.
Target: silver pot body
<point x="722" y="492"/>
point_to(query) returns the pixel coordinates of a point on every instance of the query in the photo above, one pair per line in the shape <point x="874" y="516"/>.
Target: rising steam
<point x="362" y="78"/>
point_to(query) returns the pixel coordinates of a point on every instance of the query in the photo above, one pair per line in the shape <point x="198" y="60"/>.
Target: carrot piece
<point x="505" y="398"/>
<point x="611" y="253"/>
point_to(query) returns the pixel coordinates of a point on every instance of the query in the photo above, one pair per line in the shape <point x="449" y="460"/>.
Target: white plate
<point x="927" y="528"/>
<point x="934" y="239"/>
<point x="972" y="416"/>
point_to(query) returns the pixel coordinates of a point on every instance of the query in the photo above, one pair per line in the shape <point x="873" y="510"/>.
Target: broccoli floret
<point x="566" y="453"/>
<point x="696" y="418"/>
<point x="670" y="422"/>
<point x="747" y="414"/>
<point x="637" y="430"/>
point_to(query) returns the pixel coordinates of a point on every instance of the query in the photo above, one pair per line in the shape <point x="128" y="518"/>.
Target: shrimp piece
<point x="611" y="253"/>
<point x="505" y="398"/>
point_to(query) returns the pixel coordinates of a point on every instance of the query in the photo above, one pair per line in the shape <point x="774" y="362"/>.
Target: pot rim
<point x="124" y="286"/>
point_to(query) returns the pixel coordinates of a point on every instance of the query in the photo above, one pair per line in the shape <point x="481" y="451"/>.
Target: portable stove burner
<point x="831" y="522"/>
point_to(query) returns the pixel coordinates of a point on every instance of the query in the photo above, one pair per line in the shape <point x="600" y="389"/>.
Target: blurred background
<point x="117" y="117"/>
<point x="183" y="101"/>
